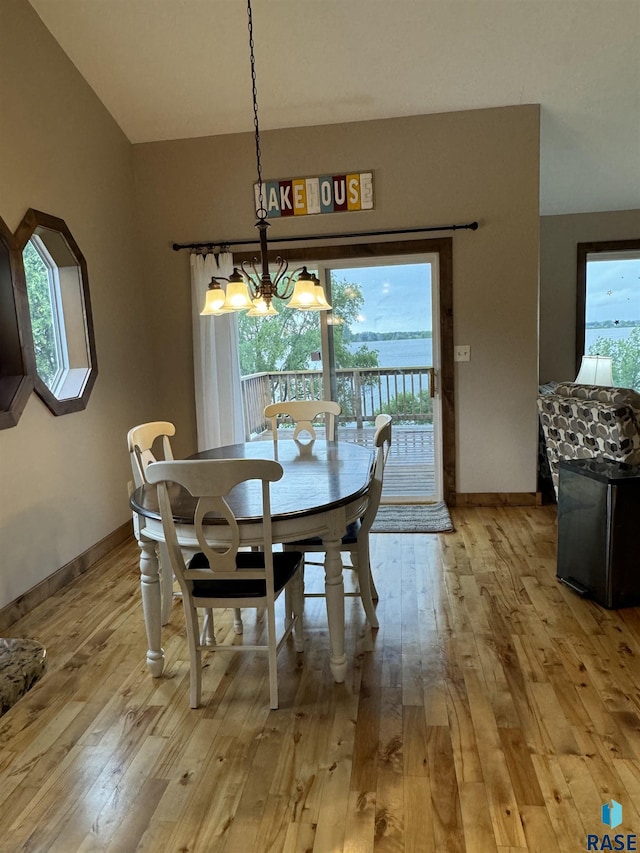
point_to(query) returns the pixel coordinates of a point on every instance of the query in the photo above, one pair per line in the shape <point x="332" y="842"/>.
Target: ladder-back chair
<point x="224" y="576"/>
<point x="303" y="413"/>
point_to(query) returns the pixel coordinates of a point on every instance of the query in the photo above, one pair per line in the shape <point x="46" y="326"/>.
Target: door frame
<point x="443" y="247"/>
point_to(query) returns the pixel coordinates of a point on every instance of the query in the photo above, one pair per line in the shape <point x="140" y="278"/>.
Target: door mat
<point x="413" y="518"/>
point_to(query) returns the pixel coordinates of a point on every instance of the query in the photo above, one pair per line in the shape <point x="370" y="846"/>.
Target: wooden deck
<point x="410" y="471"/>
<point x="410" y="468"/>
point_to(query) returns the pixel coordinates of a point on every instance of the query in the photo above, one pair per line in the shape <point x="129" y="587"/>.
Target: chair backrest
<point x="382" y="437"/>
<point x="374" y="494"/>
<point x="302" y="412"/>
<point x="140" y="441"/>
<point x="210" y="481"/>
<point x="382" y="440"/>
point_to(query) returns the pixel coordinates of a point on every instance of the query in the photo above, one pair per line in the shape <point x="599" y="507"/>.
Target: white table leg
<point x="150" y="589"/>
<point x="334" y="592"/>
<point x="167" y="582"/>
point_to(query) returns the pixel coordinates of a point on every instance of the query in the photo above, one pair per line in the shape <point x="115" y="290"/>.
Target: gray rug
<point x="412" y="518"/>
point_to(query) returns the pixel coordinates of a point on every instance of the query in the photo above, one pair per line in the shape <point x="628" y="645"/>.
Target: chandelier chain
<point x="248" y="288"/>
<point x="254" y="92"/>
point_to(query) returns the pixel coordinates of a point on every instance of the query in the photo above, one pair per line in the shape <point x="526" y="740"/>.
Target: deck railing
<point x="405" y="392"/>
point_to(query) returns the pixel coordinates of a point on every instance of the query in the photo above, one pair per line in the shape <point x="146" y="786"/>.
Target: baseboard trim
<point x="22" y="605"/>
<point x="498" y="499"/>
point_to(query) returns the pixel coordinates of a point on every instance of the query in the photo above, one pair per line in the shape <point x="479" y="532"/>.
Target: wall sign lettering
<point x="326" y="194"/>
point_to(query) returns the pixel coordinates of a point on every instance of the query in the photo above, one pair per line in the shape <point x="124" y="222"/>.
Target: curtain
<point x="216" y="364"/>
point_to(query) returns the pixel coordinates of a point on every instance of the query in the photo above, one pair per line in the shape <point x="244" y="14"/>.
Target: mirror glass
<point x="16" y="359"/>
<point x="62" y="331"/>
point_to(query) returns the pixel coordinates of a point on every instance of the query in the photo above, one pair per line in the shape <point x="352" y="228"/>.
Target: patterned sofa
<point x="586" y="421"/>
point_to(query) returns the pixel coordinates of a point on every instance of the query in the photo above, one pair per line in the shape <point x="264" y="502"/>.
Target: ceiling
<point x="171" y="69"/>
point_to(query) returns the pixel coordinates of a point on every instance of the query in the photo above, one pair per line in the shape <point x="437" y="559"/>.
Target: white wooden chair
<point x="140" y="441"/>
<point x="216" y="578"/>
<point x="355" y="541"/>
<point x="302" y="413"/>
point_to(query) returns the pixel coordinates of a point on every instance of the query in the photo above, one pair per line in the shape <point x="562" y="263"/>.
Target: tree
<point x="285" y="342"/>
<point x="404" y="405"/>
<point x="41" y="311"/>
<point x="626" y="358"/>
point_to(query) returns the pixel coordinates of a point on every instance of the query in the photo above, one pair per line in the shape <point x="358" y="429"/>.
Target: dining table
<point x="324" y="488"/>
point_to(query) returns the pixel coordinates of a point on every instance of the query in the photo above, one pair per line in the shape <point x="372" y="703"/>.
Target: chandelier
<point x="246" y="288"/>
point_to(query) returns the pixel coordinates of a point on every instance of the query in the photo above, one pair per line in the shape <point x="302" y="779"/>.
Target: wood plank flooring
<point x="493" y="712"/>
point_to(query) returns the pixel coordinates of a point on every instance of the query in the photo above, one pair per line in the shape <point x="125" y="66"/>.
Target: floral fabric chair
<point x="588" y="421"/>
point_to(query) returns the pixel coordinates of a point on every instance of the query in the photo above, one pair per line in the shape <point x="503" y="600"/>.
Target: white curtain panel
<point x="216" y="362"/>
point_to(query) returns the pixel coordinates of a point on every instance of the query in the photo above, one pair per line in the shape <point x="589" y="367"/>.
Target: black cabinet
<point x="599" y="530"/>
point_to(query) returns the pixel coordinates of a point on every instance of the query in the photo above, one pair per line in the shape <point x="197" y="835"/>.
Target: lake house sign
<point x="326" y="194"/>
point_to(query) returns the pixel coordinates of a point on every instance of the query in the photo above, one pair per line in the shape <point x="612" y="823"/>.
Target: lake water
<point x="616" y="333"/>
<point x="413" y="352"/>
<point x="418" y="352"/>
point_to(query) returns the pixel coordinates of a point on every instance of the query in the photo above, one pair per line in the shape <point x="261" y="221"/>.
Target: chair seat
<point x="285" y="565"/>
<point x="349" y="538"/>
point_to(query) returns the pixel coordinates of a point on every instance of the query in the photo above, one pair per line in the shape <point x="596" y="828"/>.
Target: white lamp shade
<point x="595" y="370"/>
<point x="321" y="299"/>
<point x="303" y="296"/>
<point x="260" y="309"/>
<point x="214" y="301"/>
<point x="237" y="297"/>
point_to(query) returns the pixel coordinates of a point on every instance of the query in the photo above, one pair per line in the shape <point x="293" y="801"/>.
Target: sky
<point x="613" y="290"/>
<point x="397" y="297"/>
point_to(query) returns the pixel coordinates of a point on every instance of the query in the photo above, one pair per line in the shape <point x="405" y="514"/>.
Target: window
<point x="58" y="295"/>
<point x="608" y="318"/>
<point x="45" y="309"/>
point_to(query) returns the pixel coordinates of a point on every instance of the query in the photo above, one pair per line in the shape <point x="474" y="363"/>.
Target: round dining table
<point x="323" y="489"/>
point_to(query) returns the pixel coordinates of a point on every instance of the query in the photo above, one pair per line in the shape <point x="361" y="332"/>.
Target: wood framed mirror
<point x="57" y="286"/>
<point x="16" y="356"/>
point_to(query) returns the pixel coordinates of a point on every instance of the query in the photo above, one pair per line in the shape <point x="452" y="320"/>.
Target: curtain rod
<point x="470" y="226"/>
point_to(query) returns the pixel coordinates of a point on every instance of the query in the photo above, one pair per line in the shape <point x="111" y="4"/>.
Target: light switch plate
<point x="462" y="353"/>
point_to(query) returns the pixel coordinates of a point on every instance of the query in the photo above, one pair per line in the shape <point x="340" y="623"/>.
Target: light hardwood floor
<point x="494" y="710"/>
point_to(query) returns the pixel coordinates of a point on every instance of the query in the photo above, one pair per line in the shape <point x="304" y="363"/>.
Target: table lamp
<point x="595" y="370"/>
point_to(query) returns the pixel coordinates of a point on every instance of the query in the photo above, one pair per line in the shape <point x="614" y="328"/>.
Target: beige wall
<point x="429" y="170"/>
<point x="63" y="480"/>
<point x="559" y="236"/>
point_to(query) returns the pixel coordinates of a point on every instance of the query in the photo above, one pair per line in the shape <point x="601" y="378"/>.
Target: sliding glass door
<point x="380" y="349"/>
<point x="379" y="355"/>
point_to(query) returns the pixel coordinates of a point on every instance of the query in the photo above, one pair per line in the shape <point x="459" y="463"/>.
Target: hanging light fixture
<point x="248" y="289"/>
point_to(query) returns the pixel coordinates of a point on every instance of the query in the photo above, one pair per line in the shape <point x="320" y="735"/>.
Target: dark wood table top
<point x="318" y="476"/>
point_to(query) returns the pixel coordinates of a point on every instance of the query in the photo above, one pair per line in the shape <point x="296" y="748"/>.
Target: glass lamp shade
<point x="214" y="300"/>
<point x="260" y="309"/>
<point x="237" y="298"/>
<point x="303" y="296"/>
<point x="595" y="370"/>
<point x="321" y="299"/>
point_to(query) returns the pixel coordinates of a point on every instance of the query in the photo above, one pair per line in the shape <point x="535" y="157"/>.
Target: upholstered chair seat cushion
<point x="284" y="567"/>
<point x="350" y="537"/>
